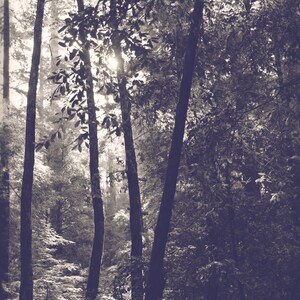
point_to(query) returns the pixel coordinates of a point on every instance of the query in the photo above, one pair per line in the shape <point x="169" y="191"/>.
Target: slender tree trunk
<point x="4" y="158"/>
<point x="26" y="289"/>
<point x="112" y="207"/>
<point x="136" y="223"/>
<point x="155" y="282"/>
<point x="95" y="263"/>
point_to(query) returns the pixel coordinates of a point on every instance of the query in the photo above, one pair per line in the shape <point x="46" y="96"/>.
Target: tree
<point x="95" y="264"/>
<point x="4" y="156"/>
<point x="26" y="288"/>
<point x="155" y="283"/>
<point x="234" y="226"/>
<point x="136" y="222"/>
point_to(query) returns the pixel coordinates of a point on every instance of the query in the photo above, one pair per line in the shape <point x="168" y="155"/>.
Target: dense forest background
<point x="94" y="95"/>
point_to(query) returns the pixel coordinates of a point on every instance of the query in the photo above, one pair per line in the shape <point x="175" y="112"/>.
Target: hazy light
<point x="112" y="63"/>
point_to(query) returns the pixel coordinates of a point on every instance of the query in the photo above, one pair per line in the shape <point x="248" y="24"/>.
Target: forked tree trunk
<point x="95" y="263"/>
<point x="155" y="282"/>
<point x="4" y="157"/>
<point x="26" y="289"/>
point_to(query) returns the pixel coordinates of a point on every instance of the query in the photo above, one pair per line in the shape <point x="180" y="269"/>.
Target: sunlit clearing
<point x="112" y="63"/>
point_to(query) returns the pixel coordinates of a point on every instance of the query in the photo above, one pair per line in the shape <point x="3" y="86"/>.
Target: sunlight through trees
<point x="150" y="150"/>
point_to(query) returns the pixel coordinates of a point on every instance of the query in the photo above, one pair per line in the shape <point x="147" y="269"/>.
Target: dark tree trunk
<point x="95" y="263"/>
<point x="4" y="158"/>
<point x="26" y="289"/>
<point x="155" y="282"/>
<point x="136" y="223"/>
<point x="56" y="216"/>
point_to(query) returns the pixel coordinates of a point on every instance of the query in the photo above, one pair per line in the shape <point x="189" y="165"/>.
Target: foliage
<point x="235" y="226"/>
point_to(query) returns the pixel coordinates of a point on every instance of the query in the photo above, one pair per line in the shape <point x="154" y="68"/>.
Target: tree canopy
<point x="166" y="150"/>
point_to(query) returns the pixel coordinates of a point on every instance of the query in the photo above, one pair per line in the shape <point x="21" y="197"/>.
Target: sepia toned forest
<point x="150" y="149"/>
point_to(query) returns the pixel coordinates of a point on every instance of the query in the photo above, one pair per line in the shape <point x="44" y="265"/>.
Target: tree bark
<point x="155" y="282"/>
<point x="96" y="257"/>
<point x="4" y="157"/>
<point x="26" y="288"/>
<point x="136" y="220"/>
<point x="136" y="223"/>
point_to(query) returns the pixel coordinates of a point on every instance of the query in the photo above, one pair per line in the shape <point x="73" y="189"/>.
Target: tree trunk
<point x="136" y="223"/>
<point x="155" y="282"/>
<point x="95" y="263"/>
<point x="112" y="205"/>
<point x="26" y="288"/>
<point x="4" y="157"/>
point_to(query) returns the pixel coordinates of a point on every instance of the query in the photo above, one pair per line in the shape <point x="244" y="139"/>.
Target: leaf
<point x="38" y="147"/>
<point x="108" y="123"/>
<point x="77" y="123"/>
<point x="114" y="122"/>
<point x="62" y="28"/>
<point x="72" y="116"/>
<point x="62" y="44"/>
<point x="52" y="77"/>
<point x="150" y="44"/>
<point x="62" y="90"/>
<point x="105" y="73"/>
<point x="53" y="136"/>
<point x="73" y="54"/>
<point x="104" y="121"/>
<point x="47" y="144"/>
<point x="118" y="131"/>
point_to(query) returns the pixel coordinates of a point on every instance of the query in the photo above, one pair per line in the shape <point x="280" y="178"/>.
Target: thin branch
<point x="12" y="188"/>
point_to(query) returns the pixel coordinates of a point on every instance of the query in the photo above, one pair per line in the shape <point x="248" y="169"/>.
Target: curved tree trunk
<point x="4" y="157"/>
<point x="136" y="220"/>
<point x="95" y="263"/>
<point x="26" y="289"/>
<point x="155" y="282"/>
<point x="136" y="223"/>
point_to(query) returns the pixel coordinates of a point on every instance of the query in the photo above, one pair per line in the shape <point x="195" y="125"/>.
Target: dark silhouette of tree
<point x="95" y="263"/>
<point x="26" y="288"/>
<point x="4" y="155"/>
<point x="155" y="282"/>
<point x="136" y="222"/>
